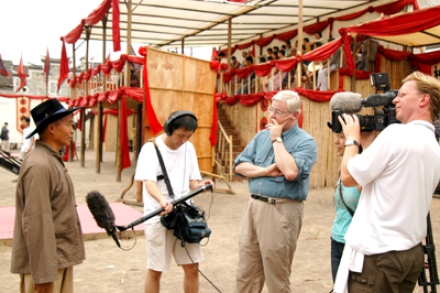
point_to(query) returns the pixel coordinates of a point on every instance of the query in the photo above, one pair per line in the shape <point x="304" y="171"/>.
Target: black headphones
<point x="168" y="126"/>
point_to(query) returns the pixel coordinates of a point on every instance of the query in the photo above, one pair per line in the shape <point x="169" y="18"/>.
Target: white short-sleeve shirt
<point x="399" y="173"/>
<point x="181" y="165"/>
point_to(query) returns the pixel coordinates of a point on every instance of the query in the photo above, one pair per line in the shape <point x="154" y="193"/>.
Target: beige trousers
<point x="267" y="243"/>
<point x="64" y="283"/>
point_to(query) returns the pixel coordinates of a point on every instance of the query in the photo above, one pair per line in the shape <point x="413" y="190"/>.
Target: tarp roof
<point x="205" y="23"/>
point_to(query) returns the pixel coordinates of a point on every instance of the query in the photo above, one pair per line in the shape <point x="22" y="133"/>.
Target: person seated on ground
<point x="234" y="62"/>
<point x="269" y="58"/>
<point x="262" y="59"/>
<point x="247" y="89"/>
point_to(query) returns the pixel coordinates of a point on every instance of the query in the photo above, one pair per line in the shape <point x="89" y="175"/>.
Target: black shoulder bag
<point x="343" y="201"/>
<point x="187" y="221"/>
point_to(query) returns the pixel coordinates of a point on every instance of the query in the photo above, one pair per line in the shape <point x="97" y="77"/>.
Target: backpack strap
<point x="164" y="170"/>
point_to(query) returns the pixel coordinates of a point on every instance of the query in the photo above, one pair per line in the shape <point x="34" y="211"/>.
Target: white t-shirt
<point x="27" y="142"/>
<point x="399" y="173"/>
<point x="181" y="165"/>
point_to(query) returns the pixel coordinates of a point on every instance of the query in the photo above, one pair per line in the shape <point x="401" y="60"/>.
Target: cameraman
<point x="399" y="173"/>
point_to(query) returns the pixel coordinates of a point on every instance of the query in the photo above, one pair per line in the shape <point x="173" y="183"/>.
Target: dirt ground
<point x="109" y="269"/>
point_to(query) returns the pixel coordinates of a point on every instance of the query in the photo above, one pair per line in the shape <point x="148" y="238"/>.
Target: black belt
<point x="268" y="199"/>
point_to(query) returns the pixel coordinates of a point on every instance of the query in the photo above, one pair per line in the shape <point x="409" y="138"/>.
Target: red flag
<point x="64" y="67"/>
<point x="21" y="74"/>
<point x="47" y="67"/>
<point x="3" y="71"/>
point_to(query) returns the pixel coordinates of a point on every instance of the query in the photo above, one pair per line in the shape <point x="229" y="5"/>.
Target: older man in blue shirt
<point x="278" y="162"/>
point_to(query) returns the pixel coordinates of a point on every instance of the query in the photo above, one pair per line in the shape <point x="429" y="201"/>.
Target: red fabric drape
<point x="244" y="46"/>
<point x="117" y="65"/>
<point x="116" y="32"/>
<point x="155" y="125"/>
<point x="264" y="68"/>
<point x="399" y="25"/>
<point x="316" y="27"/>
<point x="262" y="42"/>
<point x="214" y="126"/>
<point x="287" y="35"/>
<point x="96" y="16"/>
<point x="387" y="9"/>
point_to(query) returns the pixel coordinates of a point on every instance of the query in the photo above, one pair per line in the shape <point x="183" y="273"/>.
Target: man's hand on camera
<point x="350" y="126"/>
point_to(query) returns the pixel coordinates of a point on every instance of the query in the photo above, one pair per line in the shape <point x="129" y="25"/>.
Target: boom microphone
<point x="102" y="213"/>
<point x="346" y="102"/>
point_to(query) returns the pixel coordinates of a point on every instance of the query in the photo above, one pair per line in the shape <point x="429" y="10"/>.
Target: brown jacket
<point x="47" y="231"/>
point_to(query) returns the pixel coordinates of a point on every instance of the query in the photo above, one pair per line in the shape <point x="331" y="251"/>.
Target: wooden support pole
<point x="300" y="39"/>
<point x="229" y="40"/>
<point x="182" y="49"/>
<point x="73" y="96"/>
<point x="104" y="89"/>
<point x="83" y="110"/>
<point x="118" y="146"/>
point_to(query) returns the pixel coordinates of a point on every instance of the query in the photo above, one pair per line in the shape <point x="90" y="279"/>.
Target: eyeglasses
<point x="277" y="112"/>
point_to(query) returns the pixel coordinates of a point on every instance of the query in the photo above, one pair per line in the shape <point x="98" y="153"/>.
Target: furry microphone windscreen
<point x="100" y="210"/>
<point x="346" y="102"/>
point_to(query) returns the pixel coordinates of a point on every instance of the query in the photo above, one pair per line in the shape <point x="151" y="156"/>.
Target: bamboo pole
<point x="229" y="40"/>
<point x="83" y="111"/>
<point x="104" y="89"/>
<point x="73" y="96"/>
<point x="300" y="39"/>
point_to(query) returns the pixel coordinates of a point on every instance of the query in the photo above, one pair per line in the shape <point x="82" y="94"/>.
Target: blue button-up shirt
<point x="259" y="152"/>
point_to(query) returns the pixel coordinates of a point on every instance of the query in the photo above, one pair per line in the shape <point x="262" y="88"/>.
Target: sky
<point x="29" y="27"/>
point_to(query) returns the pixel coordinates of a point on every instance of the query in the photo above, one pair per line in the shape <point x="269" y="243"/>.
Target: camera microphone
<point x="102" y="213"/>
<point x="346" y="102"/>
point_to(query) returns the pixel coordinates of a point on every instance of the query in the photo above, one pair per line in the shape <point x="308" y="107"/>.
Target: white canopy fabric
<point x="205" y="23"/>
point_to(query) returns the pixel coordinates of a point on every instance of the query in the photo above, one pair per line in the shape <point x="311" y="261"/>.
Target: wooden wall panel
<point x="178" y="82"/>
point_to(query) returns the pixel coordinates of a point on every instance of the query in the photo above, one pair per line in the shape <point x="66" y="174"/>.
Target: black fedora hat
<point x="48" y="112"/>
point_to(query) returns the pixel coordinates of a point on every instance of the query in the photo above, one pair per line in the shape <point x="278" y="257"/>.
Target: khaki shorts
<point x="162" y="244"/>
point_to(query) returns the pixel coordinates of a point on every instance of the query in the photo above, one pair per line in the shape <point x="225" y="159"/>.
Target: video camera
<point x="348" y="102"/>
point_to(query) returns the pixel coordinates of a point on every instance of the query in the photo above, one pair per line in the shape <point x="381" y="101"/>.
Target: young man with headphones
<point x="180" y="161"/>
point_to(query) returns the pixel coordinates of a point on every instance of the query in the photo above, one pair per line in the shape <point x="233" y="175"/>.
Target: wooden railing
<point x="224" y="152"/>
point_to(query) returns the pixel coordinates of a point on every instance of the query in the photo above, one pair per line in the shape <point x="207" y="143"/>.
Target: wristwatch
<point x="350" y="141"/>
<point x="278" y="139"/>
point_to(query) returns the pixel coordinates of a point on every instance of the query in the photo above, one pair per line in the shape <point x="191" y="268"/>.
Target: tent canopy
<point x="205" y="23"/>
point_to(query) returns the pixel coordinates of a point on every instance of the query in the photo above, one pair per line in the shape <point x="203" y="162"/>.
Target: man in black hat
<point x="47" y="240"/>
